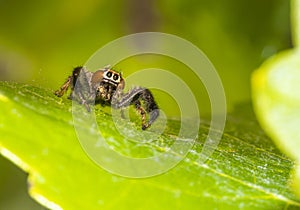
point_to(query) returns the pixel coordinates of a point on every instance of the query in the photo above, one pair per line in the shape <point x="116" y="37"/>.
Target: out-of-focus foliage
<point x="40" y="42"/>
<point x="13" y="188"/>
<point x="276" y="97"/>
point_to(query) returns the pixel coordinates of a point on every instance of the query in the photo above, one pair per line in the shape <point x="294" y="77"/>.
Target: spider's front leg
<point x="81" y="89"/>
<point x="64" y="88"/>
<point x="138" y="97"/>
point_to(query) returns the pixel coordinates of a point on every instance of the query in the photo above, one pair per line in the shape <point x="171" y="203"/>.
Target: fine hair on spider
<point x="106" y="87"/>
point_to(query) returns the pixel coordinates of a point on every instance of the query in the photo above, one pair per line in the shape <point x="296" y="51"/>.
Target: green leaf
<point x="295" y="19"/>
<point x="277" y="103"/>
<point x="246" y="171"/>
<point x="276" y="97"/>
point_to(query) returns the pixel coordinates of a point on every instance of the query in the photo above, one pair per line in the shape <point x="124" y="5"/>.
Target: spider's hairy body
<point x="106" y="87"/>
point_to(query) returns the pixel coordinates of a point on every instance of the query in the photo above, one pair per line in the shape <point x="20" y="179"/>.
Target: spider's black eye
<point x="109" y="74"/>
<point x="116" y="77"/>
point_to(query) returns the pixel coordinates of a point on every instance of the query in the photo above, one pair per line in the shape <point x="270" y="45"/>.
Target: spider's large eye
<point x="109" y="74"/>
<point x="116" y="77"/>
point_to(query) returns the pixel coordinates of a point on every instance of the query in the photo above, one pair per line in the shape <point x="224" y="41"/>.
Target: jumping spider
<point x="105" y="87"/>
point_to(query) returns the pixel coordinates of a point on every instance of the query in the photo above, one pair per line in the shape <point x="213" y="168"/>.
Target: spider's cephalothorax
<point x="105" y="87"/>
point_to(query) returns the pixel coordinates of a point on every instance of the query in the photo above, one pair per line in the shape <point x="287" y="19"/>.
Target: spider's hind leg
<point x="150" y="107"/>
<point x="135" y="97"/>
<point x="142" y="112"/>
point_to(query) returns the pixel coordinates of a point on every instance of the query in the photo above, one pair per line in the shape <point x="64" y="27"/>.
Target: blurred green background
<point x="40" y="43"/>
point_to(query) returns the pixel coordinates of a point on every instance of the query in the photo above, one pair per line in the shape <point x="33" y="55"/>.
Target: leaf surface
<point x="246" y="171"/>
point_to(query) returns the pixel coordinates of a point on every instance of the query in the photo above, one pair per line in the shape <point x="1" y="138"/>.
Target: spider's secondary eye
<point x="116" y="77"/>
<point x="109" y="74"/>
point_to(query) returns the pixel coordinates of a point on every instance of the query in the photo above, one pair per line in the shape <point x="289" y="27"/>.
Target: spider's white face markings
<point x="112" y="77"/>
